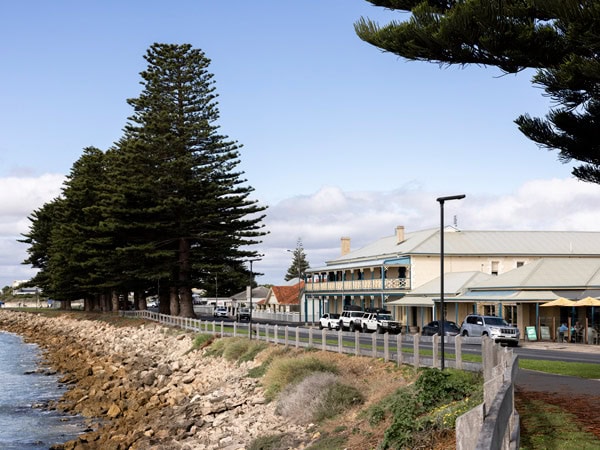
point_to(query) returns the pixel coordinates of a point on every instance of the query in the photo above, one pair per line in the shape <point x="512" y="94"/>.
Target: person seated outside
<point x="562" y="330"/>
<point x="578" y="332"/>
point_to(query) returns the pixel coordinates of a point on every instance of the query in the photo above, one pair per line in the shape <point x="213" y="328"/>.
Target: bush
<point x="317" y="397"/>
<point x="281" y="441"/>
<point x="217" y="348"/>
<point x="338" y="398"/>
<point x="235" y="349"/>
<point x="300" y="401"/>
<point x="201" y="341"/>
<point x="287" y="371"/>
<point x="435" y="387"/>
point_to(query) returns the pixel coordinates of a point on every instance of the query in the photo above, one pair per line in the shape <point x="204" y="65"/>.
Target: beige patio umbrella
<point x="588" y="301"/>
<point x="560" y="301"/>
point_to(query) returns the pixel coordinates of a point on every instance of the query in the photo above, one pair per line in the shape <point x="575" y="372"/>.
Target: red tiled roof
<point x="287" y="295"/>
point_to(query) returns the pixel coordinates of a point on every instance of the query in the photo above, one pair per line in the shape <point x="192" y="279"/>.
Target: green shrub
<point x="252" y="350"/>
<point x="259" y="371"/>
<point x="405" y="409"/>
<point x="201" y="341"/>
<point x="287" y="371"/>
<point x="216" y="349"/>
<point x="338" y="398"/>
<point x="435" y="387"/>
<point x="281" y="441"/>
<point x="328" y="442"/>
<point x="317" y="397"/>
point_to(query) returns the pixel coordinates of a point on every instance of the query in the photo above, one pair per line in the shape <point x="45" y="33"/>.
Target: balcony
<point x="375" y="285"/>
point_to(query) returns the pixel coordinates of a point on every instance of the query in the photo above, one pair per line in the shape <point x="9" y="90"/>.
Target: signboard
<point x="545" y="333"/>
<point x="531" y="334"/>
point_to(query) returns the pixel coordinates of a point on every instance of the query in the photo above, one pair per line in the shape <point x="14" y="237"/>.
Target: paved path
<point x="533" y="381"/>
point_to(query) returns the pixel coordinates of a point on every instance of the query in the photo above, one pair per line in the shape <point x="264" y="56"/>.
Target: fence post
<point x="435" y="347"/>
<point x="286" y="336"/>
<point x="297" y="337"/>
<point x="416" y="339"/>
<point x="374" y="345"/>
<point x="386" y="347"/>
<point x="222" y="328"/>
<point x="458" y="351"/>
<point x="310" y="337"/>
<point x="276" y="334"/>
<point x="324" y="339"/>
<point x="399" y="355"/>
<point x="356" y="343"/>
<point x="340" y="342"/>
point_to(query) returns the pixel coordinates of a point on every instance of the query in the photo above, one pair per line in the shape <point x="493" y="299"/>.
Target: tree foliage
<point x="560" y="39"/>
<point x="299" y="264"/>
<point x="165" y="209"/>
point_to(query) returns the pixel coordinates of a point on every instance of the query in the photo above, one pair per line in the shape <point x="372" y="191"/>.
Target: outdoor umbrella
<point x="560" y="301"/>
<point x="588" y="301"/>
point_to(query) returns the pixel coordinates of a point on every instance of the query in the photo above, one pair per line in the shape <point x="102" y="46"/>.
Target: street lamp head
<point x="451" y="197"/>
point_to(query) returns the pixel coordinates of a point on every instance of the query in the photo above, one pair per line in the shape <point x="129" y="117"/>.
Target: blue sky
<point x="339" y="138"/>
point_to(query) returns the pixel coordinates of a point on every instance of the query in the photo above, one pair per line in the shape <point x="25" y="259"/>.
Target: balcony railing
<point x="359" y="285"/>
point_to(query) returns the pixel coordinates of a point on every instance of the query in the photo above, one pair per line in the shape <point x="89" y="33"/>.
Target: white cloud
<point x="322" y="218"/>
<point x="19" y="197"/>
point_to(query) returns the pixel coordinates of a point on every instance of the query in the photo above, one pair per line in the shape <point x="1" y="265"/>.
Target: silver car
<point x="221" y="311"/>
<point x="492" y="326"/>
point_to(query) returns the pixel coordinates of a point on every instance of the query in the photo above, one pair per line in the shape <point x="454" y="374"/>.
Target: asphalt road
<point x="548" y="351"/>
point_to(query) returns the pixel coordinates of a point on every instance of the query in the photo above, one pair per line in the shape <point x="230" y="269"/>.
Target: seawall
<point x="143" y="389"/>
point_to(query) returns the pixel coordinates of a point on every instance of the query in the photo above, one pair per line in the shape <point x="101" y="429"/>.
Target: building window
<point x="495" y="267"/>
<point x="489" y="310"/>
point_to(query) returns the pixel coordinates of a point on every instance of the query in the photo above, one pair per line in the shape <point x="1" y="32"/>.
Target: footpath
<point x="564" y="346"/>
<point x="532" y="381"/>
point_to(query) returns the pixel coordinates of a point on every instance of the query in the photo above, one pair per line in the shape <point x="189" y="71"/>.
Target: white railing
<point x="329" y="340"/>
<point x="492" y="425"/>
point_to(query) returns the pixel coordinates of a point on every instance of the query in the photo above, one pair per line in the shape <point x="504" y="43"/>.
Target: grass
<point x="546" y="426"/>
<point x="575" y="369"/>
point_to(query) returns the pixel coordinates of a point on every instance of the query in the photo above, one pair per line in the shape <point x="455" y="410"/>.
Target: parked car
<point x="330" y="320"/>
<point x="433" y="328"/>
<point x="350" y="320"/>
<point x="492" y="326"/>
<point x="220" y="311"/>
<point x="380" y="321"/>
<point x="243" y="314"/>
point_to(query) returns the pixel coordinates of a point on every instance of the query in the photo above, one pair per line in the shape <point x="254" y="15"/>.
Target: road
<point x="568" y="353"/>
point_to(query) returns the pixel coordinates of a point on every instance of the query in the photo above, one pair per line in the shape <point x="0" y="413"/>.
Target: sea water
<point x="24" y="390"/>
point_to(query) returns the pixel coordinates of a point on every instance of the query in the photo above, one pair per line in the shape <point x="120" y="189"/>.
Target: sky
<point x="339" y="138"/>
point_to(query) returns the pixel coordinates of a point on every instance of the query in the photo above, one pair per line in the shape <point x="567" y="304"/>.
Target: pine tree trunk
<point x="115" y="301"/>
<point x="185" y="291"/>
<point x="173" y="301"/>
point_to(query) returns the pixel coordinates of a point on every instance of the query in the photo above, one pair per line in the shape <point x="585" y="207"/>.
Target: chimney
<point x="399" y="234"/>
<point x="345" y="245"/>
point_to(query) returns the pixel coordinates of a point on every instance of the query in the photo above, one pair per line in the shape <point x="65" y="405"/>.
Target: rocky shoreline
<point x="143" y="388"/>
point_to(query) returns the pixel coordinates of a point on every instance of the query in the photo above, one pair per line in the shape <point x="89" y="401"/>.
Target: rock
<point x="149" y="391"/>
<point x="113" y="411"/>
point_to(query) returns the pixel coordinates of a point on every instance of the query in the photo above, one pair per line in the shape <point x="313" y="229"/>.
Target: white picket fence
<point x="493" y="425"/>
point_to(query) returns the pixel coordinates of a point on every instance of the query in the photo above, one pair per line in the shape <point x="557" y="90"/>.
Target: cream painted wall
<point x="427" y="268"/>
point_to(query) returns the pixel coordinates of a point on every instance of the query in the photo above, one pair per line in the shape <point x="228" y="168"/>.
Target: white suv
<point x="492" y="326"/>
<point x="350" y="320"/>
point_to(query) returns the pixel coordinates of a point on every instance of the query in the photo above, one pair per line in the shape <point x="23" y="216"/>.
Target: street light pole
<point x="442" y="315"/>
<point x="250" y="293"/>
